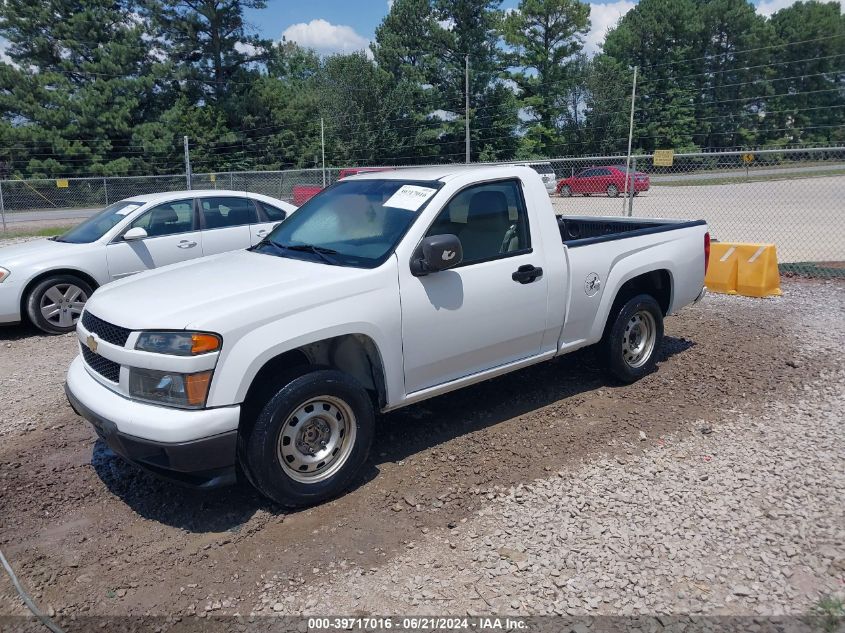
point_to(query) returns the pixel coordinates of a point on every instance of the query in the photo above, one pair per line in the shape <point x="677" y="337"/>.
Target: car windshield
<point x="352" y="223"/>
<point x="98" y="225"/>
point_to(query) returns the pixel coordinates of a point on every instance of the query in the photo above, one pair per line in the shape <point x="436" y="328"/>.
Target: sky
<point x="332" y="26"/>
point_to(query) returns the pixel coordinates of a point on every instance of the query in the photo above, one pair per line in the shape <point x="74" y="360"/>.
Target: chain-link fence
<point x="790" y="197"/>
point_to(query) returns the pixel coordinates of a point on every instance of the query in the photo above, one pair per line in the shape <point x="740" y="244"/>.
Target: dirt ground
<point x="91" y="535"/>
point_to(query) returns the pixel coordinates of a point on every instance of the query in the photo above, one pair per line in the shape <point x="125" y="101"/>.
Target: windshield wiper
<point x="321" y="251"/>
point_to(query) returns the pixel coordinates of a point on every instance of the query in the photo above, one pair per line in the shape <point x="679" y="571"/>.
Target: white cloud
<point x="4" y="57"/>
<point x="245" y="48"/>
<point x="604" y="17"/>
<point x="325" y="37"/>
<point x="767" y="7"/>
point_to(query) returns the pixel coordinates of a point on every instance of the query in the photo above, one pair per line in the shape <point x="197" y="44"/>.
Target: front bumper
<point x="207" y="461"/>
<point x="10" y="302"/>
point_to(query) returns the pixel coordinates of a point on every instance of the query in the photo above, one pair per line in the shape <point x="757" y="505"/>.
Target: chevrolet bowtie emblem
<point x="92" y="343"/>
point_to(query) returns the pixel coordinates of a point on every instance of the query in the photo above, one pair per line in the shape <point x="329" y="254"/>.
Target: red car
<point x="609" y="180"/>
<point x="303" y="193"/>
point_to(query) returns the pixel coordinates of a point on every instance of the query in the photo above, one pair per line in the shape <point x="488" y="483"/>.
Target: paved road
<point x="803" y="218"/>
<point x="740" y="173"/>
<point x="49" y="214"/>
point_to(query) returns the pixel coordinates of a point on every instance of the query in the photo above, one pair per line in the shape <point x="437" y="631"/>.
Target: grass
<point x="828" y="614"/>
<point x="732" y="180"/>
<point x="48" y="231"/>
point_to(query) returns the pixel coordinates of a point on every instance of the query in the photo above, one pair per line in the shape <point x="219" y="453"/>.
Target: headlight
<point x="187" y="391"/>
<point x="178" y="343"/>
<point x="3" y="274"/>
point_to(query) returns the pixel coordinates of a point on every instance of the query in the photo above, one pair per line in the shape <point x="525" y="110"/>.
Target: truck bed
<point x="583" y="230"/>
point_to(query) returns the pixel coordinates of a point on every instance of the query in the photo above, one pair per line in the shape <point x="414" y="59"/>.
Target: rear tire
<point x="565" y="191"/>
<point x="310" y="439"/>
<point x="55" y="304"/>
<point x="632" y="337"/>
<point x="612" y="191"/>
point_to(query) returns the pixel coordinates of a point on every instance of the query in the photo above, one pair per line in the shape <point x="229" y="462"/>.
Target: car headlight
<point x="186" y="391"/>
<point x="3" y="274"/>
<point x="178" y="343"/>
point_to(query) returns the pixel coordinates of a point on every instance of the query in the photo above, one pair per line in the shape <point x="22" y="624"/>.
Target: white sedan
<point x="48" y="281"/>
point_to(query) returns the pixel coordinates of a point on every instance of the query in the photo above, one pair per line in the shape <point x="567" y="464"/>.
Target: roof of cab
<point x="439" y="172"/>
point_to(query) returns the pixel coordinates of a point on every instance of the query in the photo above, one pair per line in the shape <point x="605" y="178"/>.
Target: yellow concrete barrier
<point x="745" y="269"/>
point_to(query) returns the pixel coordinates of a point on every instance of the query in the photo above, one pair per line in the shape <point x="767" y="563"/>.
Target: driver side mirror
<point x="136" y="233"/>
<point x="436" y="253"/>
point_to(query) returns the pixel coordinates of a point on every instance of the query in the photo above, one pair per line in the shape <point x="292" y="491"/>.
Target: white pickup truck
<point x="383" y="290"/>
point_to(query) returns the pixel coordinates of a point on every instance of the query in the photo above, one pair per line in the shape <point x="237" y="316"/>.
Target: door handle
<point x="186" y="244"/>
<point x="262" y="232"/>
<point x="527" y="273"/>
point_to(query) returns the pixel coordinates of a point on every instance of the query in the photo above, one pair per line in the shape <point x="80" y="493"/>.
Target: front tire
<point x="310" y="439"/>
<point x="612" y="191"/>
<point x="565" y="191"/>
<point x="55" y="304"/>
<point x="631" y="340"/>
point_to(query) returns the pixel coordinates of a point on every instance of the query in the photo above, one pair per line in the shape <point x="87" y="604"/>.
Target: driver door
<point x="172" y="236"/>
<point x="476" y="316"/>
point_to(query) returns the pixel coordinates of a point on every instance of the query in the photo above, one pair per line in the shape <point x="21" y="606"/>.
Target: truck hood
<point x="36" y="252"/>
<point x="236" y="290"/>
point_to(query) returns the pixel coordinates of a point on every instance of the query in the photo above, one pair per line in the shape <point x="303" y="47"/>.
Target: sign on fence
<point x="664" y="157"/>
<point x="61" y="183"/>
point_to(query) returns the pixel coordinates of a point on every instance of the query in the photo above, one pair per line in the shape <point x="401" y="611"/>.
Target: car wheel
<point x="565" y="191"/>
<point x="632" y="338"/>
<point x="55" y="304"/>
<point x="310" y="439"/>
<point x="612" y="191"/>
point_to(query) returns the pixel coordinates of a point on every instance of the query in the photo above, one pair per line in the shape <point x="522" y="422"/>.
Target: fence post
<point x="631" y="186"/>
<point x="2" y="207"/>
<point x="106" y="190"/>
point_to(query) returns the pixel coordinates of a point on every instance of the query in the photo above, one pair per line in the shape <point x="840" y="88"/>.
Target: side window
<point x="489" y="219"/>
<point x="218" y="213"/>
<point x="602" y="172"/>
<point x="167" y="219"/>
<point x="587" y="173"/>
<point x="273" y="214"/>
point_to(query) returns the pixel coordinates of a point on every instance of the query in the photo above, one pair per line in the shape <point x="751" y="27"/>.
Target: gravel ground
<point x="713" y="485"/>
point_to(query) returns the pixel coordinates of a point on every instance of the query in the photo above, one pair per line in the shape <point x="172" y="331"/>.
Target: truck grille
<point x="113" y="334"/>
<point x="108" y="369"/>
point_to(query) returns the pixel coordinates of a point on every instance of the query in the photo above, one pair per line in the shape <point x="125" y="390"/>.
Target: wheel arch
<point x="658" y="283"/>
<point x="46" y="274"/>
<point x="354" y="354"/>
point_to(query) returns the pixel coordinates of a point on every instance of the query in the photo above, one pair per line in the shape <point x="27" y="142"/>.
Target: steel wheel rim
<point x="62" y="304"/>
<point x="612" y="191"/>
<point x="565" y="191"/>
<point x="638" y="338"/>
<point x="317" y="439"/>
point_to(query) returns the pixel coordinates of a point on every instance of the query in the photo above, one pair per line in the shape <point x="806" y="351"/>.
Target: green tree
<point x="543" y="36"/>
<point x="81" y="79"/>
<point x="809" y="82"/>
<point x="209" y="43"/>
<point x="661" y="37"/>
<point x="731" y="73"/>
<point x="474" y="30"/>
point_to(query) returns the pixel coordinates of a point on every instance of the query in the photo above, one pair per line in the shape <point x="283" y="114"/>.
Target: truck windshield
<point x="352" y="223"/>
<point x="98" y="225"/>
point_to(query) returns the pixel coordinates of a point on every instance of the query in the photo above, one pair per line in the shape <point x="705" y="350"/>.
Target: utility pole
<point x="187" y="164"/>
<point x="323" y="146"/>
<point x="630" y="139"/>
<point x="466" y="117"/>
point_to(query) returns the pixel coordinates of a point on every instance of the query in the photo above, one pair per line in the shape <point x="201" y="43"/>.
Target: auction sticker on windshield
<point x="410" y="197"/>
<point x="129" y="208"/>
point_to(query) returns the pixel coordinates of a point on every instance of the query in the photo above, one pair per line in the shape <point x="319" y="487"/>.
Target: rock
<point x="278" y="607"/>
<point x="643" y="436"/>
